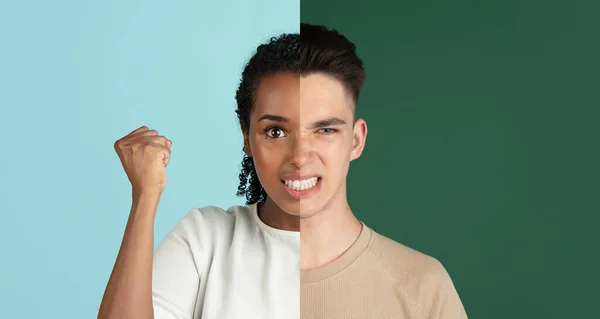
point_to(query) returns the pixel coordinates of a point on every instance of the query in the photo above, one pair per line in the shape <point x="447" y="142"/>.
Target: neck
<point x="275" y="217"/>
<point x="327" y="234"/>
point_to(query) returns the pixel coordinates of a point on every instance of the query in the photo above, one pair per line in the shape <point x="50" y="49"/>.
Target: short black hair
<point x="316" y="49"/>
<point x="327" y="51"/>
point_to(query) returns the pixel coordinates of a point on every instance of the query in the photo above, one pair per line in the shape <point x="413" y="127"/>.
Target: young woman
<point x="242" y="262"/>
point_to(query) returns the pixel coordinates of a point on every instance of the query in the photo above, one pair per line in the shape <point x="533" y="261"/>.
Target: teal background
<point x="74" y="77"/>
<point x="483" y="144"/>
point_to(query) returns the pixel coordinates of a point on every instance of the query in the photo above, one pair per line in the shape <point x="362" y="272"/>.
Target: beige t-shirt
<point x="379" y="278"/>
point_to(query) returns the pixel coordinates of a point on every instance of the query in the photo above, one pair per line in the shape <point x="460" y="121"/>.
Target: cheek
<point x="267" y="159"/>
<point x="336" y="157"/>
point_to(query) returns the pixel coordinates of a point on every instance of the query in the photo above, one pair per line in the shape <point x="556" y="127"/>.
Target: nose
<point x="301" y="150"/>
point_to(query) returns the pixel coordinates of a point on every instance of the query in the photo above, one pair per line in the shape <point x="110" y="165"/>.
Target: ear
<point x="359" y="138"/>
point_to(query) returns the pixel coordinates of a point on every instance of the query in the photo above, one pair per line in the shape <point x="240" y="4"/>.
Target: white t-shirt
<point x="227" y="264"/>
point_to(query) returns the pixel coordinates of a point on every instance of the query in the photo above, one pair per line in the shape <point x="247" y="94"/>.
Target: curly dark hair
<point x="315" y="49"/>
<point x="279" y="54"/>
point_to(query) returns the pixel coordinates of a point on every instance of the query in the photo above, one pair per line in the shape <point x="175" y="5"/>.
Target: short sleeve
<point x="176" y="275"/>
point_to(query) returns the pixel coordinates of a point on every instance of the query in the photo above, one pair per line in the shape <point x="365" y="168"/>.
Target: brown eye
<point x="274" y="132"/>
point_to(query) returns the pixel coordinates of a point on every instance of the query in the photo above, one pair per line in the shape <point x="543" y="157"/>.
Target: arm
<point x="129" y="290"/>
<point x="144" y="155"/>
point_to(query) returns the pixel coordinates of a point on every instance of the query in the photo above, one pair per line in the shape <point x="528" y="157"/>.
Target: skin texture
<point x="295" y="145"/>
<point x="144" y="155"/>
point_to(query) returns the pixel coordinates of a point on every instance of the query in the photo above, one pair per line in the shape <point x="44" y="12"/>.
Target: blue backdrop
<point x="77" y="75"/>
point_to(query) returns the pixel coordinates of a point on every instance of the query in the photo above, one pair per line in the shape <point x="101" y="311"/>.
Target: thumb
<point x="166" y="157"/>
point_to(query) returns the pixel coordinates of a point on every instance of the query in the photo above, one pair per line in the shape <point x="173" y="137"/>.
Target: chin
<point x="289" y="207"/>
<point x="303" y="209"/>
<point x="293" y="212"/>
<point x="309" y="208"/>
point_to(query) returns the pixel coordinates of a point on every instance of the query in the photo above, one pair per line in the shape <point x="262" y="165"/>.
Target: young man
<point x="347" y="269"/>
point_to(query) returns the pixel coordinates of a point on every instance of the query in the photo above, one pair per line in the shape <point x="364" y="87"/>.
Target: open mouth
<point x="302" y="185"/>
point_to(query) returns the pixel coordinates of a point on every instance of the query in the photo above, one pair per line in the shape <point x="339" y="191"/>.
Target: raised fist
<point x="145" y="155"/>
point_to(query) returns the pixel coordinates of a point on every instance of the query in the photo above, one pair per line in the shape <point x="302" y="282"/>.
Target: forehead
<point x="321" y="91"/>
<point x="313" y="96"/>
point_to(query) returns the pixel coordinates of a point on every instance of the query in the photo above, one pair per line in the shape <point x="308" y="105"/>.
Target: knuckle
<point x="136" y="147"/>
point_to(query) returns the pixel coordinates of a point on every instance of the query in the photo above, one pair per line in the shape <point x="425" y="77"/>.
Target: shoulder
<point x="207" y="221"/>
<point x="418" y="277"/>
<point x="214" y="214"/>
<point x="402" y="261"/>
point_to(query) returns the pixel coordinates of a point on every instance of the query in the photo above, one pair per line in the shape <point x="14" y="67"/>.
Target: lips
<point x="305" y="193"/>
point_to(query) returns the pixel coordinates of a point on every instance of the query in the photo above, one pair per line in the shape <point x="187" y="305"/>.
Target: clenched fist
<point x="145" y="155"/>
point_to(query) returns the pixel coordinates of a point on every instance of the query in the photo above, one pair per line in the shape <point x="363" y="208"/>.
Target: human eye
<point x="274" y="132"/>
<point x="328" y="130"/>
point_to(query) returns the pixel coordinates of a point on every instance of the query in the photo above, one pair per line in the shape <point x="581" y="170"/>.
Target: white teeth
<point x="303" y="184"/>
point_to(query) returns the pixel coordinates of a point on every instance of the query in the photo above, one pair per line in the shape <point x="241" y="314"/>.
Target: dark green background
<point x="483" y="144"/>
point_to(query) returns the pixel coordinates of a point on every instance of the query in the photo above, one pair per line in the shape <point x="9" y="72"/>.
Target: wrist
<point x="144" y="205"/>
<point x="145" y="196"/>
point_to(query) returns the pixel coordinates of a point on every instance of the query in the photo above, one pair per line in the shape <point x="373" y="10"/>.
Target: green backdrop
<point x="483" y="143"/>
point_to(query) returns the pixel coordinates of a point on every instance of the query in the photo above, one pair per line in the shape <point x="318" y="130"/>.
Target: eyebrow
<point x="275" y="118"/>
<point x="332" y="121"/>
